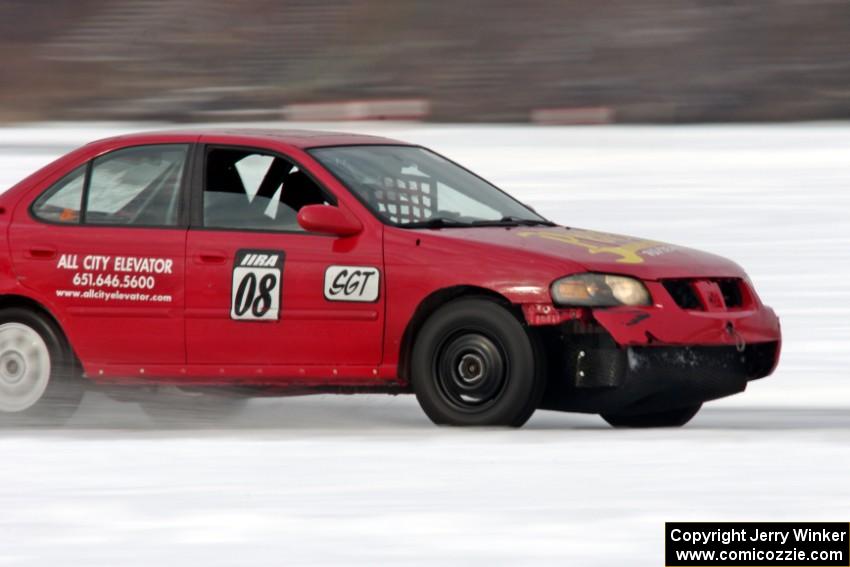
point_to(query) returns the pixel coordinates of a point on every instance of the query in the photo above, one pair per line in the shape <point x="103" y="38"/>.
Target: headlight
<point x="599" y="290"/>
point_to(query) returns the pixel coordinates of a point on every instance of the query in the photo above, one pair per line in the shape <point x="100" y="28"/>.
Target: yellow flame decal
<point x="599" y="243"/>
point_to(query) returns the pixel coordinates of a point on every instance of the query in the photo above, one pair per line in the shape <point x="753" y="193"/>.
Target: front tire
<point x="670" y="418"/>
<point x="39" y="382"/>
<point x="473" y="364"/>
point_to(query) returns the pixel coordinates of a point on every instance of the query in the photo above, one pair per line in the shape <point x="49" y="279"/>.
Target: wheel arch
<point x="24" y="302"/>
<point x="435" y="301"/>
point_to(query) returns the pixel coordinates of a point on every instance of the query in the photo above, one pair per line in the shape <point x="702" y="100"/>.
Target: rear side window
<point x="137" y="186"/>
<point x="252" y="190"/>
<point x="62" y="202"/>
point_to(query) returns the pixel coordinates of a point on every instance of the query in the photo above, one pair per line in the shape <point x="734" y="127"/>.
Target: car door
<point x="104" y="246"/>
<point x="262" y="293"/>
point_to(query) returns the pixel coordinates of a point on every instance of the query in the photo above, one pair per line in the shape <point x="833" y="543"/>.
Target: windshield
<point x="412" y="187"/>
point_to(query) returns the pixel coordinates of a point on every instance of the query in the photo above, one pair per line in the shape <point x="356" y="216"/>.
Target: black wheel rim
<point x="471" y="370"/>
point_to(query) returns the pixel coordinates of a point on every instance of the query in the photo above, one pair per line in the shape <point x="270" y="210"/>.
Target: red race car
<point x="248" y="262"/>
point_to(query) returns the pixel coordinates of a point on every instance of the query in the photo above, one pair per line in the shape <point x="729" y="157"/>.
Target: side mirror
<point x="328" y="220"/>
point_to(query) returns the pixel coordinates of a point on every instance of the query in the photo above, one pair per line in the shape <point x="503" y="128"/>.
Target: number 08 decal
<point x="255" y="293"/>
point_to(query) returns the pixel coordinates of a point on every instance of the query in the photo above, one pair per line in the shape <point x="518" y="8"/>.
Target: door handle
<point x="42" y="253"/>
<point x="211" y="257"/>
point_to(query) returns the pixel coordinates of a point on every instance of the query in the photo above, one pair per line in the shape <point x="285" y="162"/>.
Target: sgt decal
<point x="352" y="283"/>
<point x="256" y="289"/>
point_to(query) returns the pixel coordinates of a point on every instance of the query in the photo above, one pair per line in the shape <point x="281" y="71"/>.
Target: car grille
<point x="706" y="294"/>
<point x="732" y="295"/>
<point x="683" y="294"/>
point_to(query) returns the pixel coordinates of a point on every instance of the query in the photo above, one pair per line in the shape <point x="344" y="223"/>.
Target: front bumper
<point x="630" y="326"/>
<point x="637" y="380"/>
<point x="645" y="360"/>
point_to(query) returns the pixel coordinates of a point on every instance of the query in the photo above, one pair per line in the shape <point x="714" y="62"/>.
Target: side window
<point x="61" y="202"/>
<point x="137" y="186"/>
<point x="247" y="189"/>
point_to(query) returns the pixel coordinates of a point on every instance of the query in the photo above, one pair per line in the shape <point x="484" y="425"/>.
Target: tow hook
<point x="740" y="342"/>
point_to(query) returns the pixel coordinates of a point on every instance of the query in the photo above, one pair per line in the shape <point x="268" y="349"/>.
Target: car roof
<point x="261" y="136"/>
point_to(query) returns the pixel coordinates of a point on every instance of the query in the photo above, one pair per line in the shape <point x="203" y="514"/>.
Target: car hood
<point x="601" y="252"/>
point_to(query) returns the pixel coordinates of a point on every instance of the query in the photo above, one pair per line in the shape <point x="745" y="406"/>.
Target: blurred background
<point x="558" y="61"/>
<point x="367" y="480"/>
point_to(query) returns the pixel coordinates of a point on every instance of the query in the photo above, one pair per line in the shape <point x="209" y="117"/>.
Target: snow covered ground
<point x="362" y="480"/>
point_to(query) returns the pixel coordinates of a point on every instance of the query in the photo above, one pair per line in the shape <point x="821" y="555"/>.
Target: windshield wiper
<point x="445" y="222"/>
<point x="436" y="222"/>
<point x="513" y="221"/>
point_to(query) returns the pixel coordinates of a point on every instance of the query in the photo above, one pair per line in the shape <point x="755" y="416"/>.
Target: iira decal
<point x="257" y="281"/>
<point x="628" y="250"/>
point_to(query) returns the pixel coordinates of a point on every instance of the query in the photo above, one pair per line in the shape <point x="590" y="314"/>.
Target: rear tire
<point x="671" y="418"/>
<point x="473" y="364"/>
<point x="40" y="384"/>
